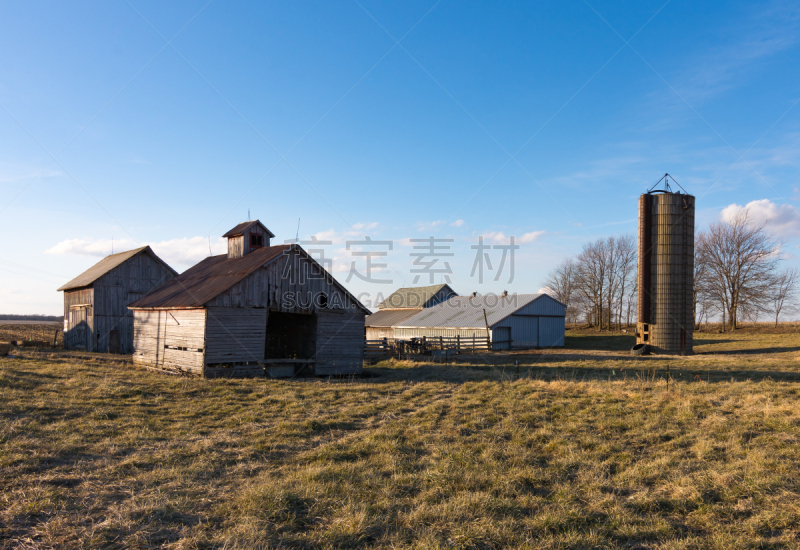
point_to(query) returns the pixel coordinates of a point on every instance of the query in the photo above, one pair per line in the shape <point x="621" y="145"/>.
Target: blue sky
<point x="542" y="120"/>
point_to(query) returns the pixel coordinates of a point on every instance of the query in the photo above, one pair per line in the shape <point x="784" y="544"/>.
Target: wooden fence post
<point x="458" y="343"/>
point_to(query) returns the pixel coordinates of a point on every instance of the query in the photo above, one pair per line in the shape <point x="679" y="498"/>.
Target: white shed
<point x="514" y="320"/>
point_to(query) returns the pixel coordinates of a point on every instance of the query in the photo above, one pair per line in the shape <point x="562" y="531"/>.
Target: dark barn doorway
<point x="291" y="336"/>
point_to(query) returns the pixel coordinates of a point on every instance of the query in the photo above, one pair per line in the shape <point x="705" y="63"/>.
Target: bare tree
<point x="562" y="282"/>
<point x="626" y="256"/>
<point x="591" y="278"/>
<point x="741" y="260"/>
<point x="784" y="291"/>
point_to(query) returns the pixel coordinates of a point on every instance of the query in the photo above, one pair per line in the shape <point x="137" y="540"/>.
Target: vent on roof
<point x="246" y="237"/>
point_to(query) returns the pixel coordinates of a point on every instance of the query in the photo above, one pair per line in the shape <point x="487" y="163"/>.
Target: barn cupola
<point x="246" y="237"/>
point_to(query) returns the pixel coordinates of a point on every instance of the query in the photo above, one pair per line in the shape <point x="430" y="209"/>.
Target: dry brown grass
<point x="43" y="332"/>
<point x="574" y="454"/>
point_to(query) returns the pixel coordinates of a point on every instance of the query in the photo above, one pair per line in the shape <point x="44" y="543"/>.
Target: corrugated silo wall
<point x="668" y="261"/>
<point x="643" y="302"/>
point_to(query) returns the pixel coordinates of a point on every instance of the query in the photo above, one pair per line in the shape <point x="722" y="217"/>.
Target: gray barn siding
<point x="239" y="245"/>
<point x="109" y="297"/>
<point x="72" y="299"/>
<point x="269" y="288"/>
<point x="170" y="340"/>
<point x="235" y="335"/>
<point x="340" y="343"/>
<point x="232" y="326"/>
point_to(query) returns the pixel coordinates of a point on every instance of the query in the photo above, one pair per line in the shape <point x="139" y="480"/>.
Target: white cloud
<point x="530" y="237"/>
<point x="495" y="236"/>
<point x="429" y="226"/>
<point x="360" y="226"/>
<point x="358" y="232"/>
<point x="186" y="251"/>
<point x="406" y="241"/>
<point x="780" y="219"/>
<point x="500" y="237"/>
<point x="457" y="223"/>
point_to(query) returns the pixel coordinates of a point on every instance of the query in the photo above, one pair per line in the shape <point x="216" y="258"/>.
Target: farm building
<point x="258" y="309"/>
<point x="96" y="315"/>
<point x="402" y="304"/>
<point x="511" y="320"/>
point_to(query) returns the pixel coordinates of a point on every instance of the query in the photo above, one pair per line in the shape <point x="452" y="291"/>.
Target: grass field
<point x="582" y="447"/>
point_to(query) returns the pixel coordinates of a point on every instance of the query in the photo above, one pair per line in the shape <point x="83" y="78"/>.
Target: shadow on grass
<point x="708" y="342"/>
<point x="749" y="351"/>
<point x="643" y="372"/>
<point x="609" y="342"/>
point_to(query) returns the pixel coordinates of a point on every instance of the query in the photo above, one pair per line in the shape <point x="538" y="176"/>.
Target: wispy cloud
<point x="186" y="251"/>
<point x="770" y="30"/>
<point x="12" y="173"/>
<point x="457" y="223"/>
<point x="429" y="226"/>
<point x="499" y="237"/>
<point x="530" y="237"/>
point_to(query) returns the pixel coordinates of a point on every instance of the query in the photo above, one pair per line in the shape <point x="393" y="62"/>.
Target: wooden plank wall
<point x="274" y="287"/>
<point x="340" y="343"/>
<point x="171" y="340"/>
<point x="118" y="288"/>
<point x="74" y="298"/>
<point x="235" y="335"/>
<point x="235" y="247"/>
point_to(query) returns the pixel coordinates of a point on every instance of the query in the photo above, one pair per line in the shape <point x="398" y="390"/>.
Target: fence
<point x="391" y="347"/>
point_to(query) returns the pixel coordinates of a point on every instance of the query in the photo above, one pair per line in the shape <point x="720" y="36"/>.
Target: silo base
<point x="647" y="333"/>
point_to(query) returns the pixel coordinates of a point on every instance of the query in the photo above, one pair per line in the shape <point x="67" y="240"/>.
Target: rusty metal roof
<point x="208" y="279"/>
<point x="244" y="226"/>
<point x="390" y="317"/>
<point x="216" y="274"/>
<point x="107" y="264"/>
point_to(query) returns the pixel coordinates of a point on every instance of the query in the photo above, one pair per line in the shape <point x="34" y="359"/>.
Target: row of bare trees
<point x="599" y="284"/>
<point x="738" y="276"/>
<point x="738" y="273"/>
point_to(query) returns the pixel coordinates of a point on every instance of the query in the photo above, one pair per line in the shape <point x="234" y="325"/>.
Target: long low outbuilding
<point x="510" y="320"/>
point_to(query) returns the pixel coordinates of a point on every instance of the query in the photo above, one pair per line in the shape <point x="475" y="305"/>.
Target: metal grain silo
<point x="665" y="316"/>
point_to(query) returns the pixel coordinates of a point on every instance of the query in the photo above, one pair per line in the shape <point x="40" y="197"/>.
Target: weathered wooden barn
<point x="402" y="304"/>
<point x="510" y="320"/>
<point x="258" y="309"/>
<point x="96" y="314"/>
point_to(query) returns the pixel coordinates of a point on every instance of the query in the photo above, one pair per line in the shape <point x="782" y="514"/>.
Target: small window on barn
<point x="256" y="241"/>
<point x="323" y="300"/>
